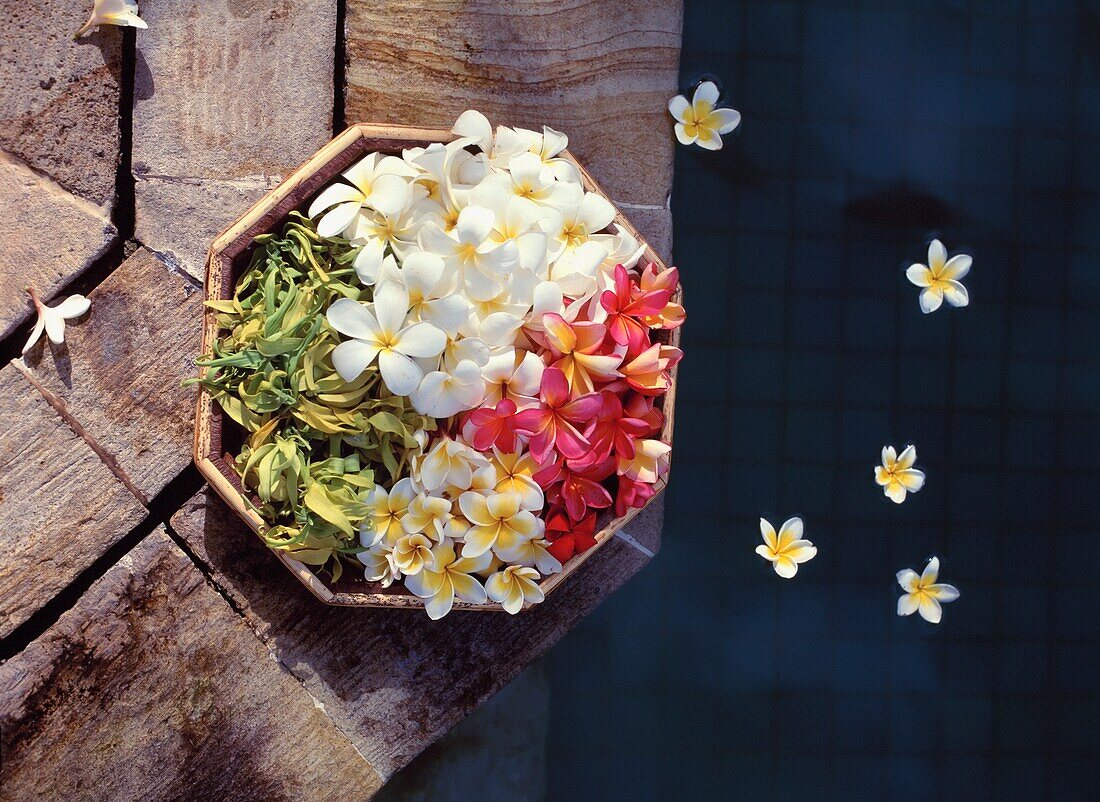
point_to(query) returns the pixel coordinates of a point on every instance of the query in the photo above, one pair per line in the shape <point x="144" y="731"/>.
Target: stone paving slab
<point x="60" y="506"/>
<point x="602" y="71"/>
<point x="50" y="237"/>
<point x="230" y="95"/>
<point x="120" y="377"/>
<point x="59" y="99"/>
<point x="393" y="680"/>
<point x="152" y="688"/>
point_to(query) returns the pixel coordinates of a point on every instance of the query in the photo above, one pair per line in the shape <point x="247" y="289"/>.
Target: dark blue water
<point x="868" y="128"/>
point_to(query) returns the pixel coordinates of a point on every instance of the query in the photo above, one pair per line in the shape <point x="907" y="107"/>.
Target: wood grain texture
<point x="120" y="375"/>
<point x="601" y="71"/>
<point x="152" y="688"/>
<point x="393" y="680"/>
<point x="60" y="506"/>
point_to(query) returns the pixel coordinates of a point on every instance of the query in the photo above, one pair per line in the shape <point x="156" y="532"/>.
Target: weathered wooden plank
<point x="60" y="506"/>
<point x="230" y="95"/>
<point x="120" y="376"/>
<point x="393" y="680"/>
<point x="602" y="71"/>
<point x="59" y="99"/>
<point x="50" y="237"/>
<point x="152" y="688"/>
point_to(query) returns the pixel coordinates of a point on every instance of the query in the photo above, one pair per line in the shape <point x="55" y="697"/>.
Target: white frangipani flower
<point x="376" y="181"/>
<point x="51" y="319"/>
<point x="123" y="13"/>
<point x="699" y="122"/>
<point x="923" y="593"/>
<point x="498" y="522"/>
<point x="378" y="330"/>
<point x="940" y="278"/>
<point x="513" y="587"/>
<point x="431" y="287"/>
<point x="482" y="263"/>
<point x="449" y="466"/>
<point x="428" y="515"/>
<point x="396" y="231"/>
<point x="448" y="577"/>
<point x="896" y="475"/>
<point x="786" y="550"/>
<point x="442" y="394"/>
<point x="514" y="374"/>
<point x="575" y="257"/>
<point x="386" y="510"/>
<point x="529" y="178"/>
<point x="378" y="563"/>
<point x="548" y="146"/>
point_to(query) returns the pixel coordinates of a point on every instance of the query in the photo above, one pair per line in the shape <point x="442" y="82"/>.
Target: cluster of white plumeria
<point x="466" y="246"/>
<point x="465" y="250"/>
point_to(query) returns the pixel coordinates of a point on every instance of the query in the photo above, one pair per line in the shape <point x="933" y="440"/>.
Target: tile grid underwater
<point x="868" y="128"/>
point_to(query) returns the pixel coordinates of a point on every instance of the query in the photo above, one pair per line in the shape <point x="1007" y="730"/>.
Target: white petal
<point x="352" y="357"/>
<point x="930" y="609"/>
<point x="528" y="376"/>
<point x="937" y="256"/>
<point x="930" y="300"/>
<point x="429" y="394"/>
<point x="337" y="193"/>
<point x="389" y="194"/>
<point x="956" y="294"/>
<point x="907" y="604"/>
<point x="475" y="223"/>
<point x="912" y="479"/>
<point x="707" y="91"/>
<point x="476" y="126"/>
<point x="957" y="267"/>
<point x="931" y="572"/>
<point x="391" y="304"/>
<point x="677" y="106"/>
<point x="435" y="240"/>
<point x="907" y="457"/>
<point x="447" y="313"/>
<point x="73" y="306"/>
<point x="36" y="333"/>
<point x="422" y="272"/>
<point x="440" y="604"/>
<point x="353" y="319"/>
<point x="895" y="491"/>
<point x="400" y="373"/>
<point x="908" y="579"/>
<point x="727" y="119"/>
<point x="55" y="326"/>
<point x="682" y="134"/>
<point x="368" y="262"/>
<point x="709" y="139"/>
<point x="499" y="328"/>
<point x="421" y="340"/>
<point x="595" y="213"/>
<point x="919" y="275"/>
<point x="767" y="531"/>
<point x="338" y="219"/>
<point x="943" y="593"/>
<point x="785" y="567"/>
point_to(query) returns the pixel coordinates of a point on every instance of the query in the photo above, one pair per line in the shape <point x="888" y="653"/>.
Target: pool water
<point x="869" y="128"/>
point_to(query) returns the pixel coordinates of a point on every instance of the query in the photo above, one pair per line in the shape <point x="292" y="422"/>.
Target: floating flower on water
<point x="939" y="279"/>
<point x="513" y="587"/>
<point x="123" y="13"/>
<point x="51" y="319"/>
<point x="699" y="122"/>
<point x="446" y="577"/>
<point x="786" y="550"/>
<point x="923" y="593"/>
<point x="378" y="330"/>
<point x="896" y="475"/>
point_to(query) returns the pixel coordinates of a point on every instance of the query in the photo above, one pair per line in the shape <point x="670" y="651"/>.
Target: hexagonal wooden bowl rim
<point x="234" y="243"/>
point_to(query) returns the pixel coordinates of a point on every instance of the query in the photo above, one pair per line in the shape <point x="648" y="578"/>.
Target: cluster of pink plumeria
<point x="592" y="428"/>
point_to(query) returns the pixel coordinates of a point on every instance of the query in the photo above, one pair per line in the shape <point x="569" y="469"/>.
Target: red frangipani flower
<point x="494" y="426"/>
<point x="644" y="408"/>
<point x="578" y="350"/>
<point x="613" y="434"/>
<point x="672" y="315"/>
<point x="626" y="305"/>
<point x="568" y="537"/>
<point x="579" y="489"/>
<point x="552" y="426"/>
<point x="648" y="373"/>
<point x="632" y="494"/>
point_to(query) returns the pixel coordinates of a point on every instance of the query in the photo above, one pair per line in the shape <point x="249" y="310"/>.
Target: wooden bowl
<point x="229" y="256"/>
